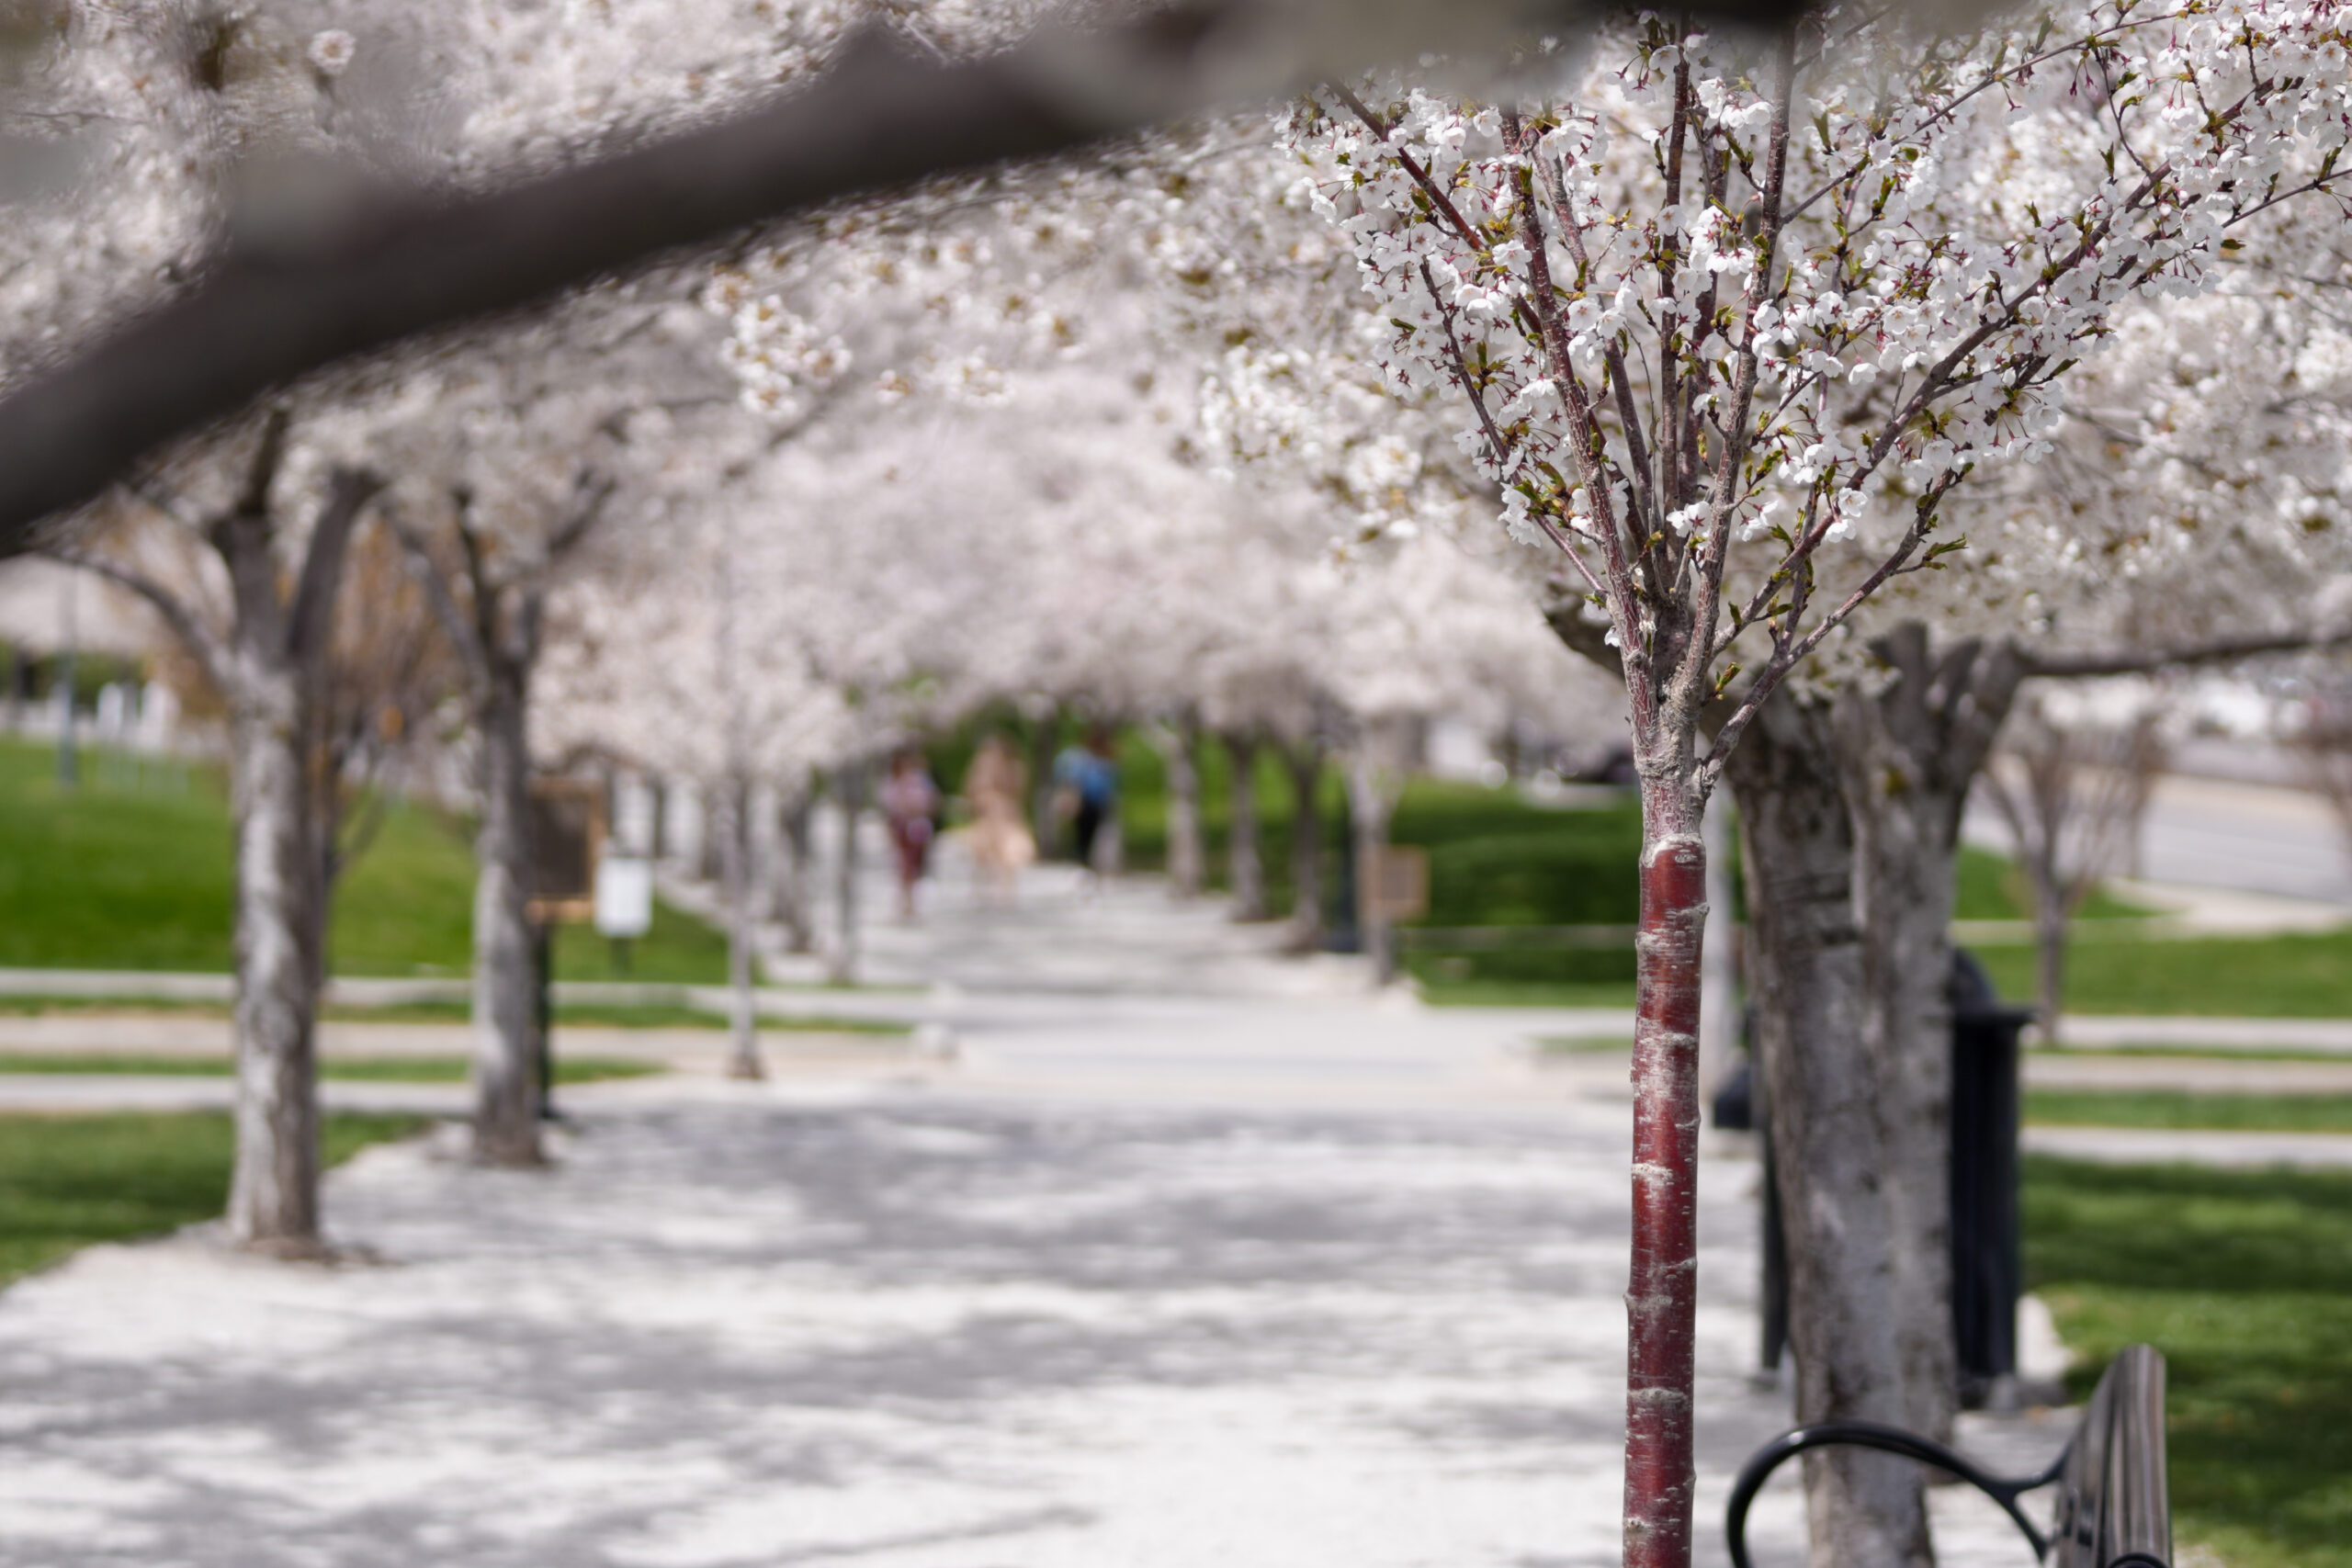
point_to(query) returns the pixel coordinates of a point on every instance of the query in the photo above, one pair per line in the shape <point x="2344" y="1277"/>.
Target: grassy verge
<point x="2171" y="1109"/>
<point x="2187" y="1053"/>
<point x="2290" y="975"/>
<point x="603" y="1015"/>
<point x="69" y="1181"/>
<point x="1441" y="988"/>
<point x="374" y="1069"/>
<point x="598" y="1015"/>
<point x="136" y="875"/>
<point x="2244" y="1281"/>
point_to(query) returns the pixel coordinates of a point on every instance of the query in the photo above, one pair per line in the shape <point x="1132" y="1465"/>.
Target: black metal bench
<point x="2113" y="1507"/>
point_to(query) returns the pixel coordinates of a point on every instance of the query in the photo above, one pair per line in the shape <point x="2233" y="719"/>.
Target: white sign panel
<point x="624" y="896"/>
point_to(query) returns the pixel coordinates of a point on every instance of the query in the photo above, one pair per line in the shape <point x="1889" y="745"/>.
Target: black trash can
<point x="1987" y="1265"/>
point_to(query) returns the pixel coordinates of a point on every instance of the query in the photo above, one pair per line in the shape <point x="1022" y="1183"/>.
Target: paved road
<point x="2232" y="835"/>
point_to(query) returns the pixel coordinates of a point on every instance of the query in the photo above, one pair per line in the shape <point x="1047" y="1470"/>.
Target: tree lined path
<point x="1242" y="1279"/>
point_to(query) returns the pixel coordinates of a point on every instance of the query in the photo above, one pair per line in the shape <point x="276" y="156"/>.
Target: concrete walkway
<point x="1147" y="1279"/>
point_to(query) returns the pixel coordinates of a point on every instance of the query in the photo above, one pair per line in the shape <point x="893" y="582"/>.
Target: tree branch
<point x="2220" y="651"/>
<point x="199" y="644"/>
<point x="438" y="597"/>
<point x="307" y="623"/>
<point x="882" y="117"/>
<point x="593" y="491"/>
<point x="1580" y="637"/>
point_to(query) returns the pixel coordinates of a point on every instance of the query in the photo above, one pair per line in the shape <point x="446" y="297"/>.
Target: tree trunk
<point x="735" y="875"/>
<point x="1661" y="1297"/>
<point x="274" y="1189"/>
<point x="1820" y="1099"/>
<point x="1187" y="859"/>
<point x="274" y="682"/>
<point x="1372" y="805"/>
<point x="849" y="791"/>
<point x="506" y="977"/>
<point x="795" y="869"/>
<point x="1244" y="866"/>
<point x="2052" y="926"/>
<point x="1043" y="743"/>
<point x="1907" y="879"/>
<point x="709" y="838"/>
<point x="1909" y="749"/>
<point x="1719" y="976"/>
<point x="1305" y="761"/>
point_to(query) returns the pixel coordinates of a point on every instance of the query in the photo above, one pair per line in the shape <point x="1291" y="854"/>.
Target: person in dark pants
<point x="1089" y="777"/>
<point x="910" y="802"/>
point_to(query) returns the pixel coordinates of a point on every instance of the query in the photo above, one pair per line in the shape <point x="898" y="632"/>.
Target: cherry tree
<point x="269" y="668"/>
<point x="2072" y="795"/>
<point x="270" y="499"/>
<point x="2227" y="406"/>
<point x="516" y="455"/>
<point x="1727" y="329"/>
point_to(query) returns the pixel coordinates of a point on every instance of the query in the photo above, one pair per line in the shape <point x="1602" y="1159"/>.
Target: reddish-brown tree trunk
<point x="1662" y="1300"/>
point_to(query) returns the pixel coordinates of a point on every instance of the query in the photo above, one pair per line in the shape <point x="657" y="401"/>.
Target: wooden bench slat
<point x="2114" y="1501"/>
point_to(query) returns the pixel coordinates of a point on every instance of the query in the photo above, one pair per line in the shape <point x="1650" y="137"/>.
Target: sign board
<point x="624" y="896"/>
<point x="1400" y="882"/>
<point x="567" y="830"/>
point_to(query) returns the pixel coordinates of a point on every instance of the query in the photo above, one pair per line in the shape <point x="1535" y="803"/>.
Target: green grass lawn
<point x="379" y="1069"/>
<point x="69" y="1181"/>
<point x="131" y="876"/>
<point x="2244" y="1281"/>
<point x="2169" y="1108"/>
<point x="598" y="1015"/>
<point x="2189" y="1054"/>
<point x="1446" y="988"/>
<point x="2294" y="974"/>
<point x="611" y="1015"/>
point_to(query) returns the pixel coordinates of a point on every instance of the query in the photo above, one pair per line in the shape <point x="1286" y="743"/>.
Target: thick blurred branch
<point x="363" y="279"/>
<point x="2219" y="650"/>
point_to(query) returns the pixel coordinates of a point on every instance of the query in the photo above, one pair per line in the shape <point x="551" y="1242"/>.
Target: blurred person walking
<point x="996" y="788"/>
<point x="910" y="805"/>
<point x="1088" y="777"/>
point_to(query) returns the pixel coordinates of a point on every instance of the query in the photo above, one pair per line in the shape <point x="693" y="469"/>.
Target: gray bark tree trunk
<point x="1909" y="747"/>
<point x="1245" y="866"/>
<point x="274" y="1187"/>
<point x="1043" y="743"/>
<point x="709" y="848"/>
<point x="273" y="675"/>
<point x="2052" y="925"/>
<point x="735" y="874"/>
<point x="1187" y="856"/>
<point x="1372" y="800"/>
<point x="506" y="972"/>
<point x="795" y="870"/>
<point x="1821" y="1091"/>
<point x="1719" y="1010"/>
<point x="1305" y="761"/>
<point x="849" y="795"/>
<point x="496" y="632"/>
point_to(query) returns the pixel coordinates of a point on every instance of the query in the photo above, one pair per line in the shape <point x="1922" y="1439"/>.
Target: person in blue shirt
<point x="1088" y="777"/>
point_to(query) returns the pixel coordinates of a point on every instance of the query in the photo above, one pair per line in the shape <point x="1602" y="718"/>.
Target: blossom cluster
<point x="1693" y="295"/>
